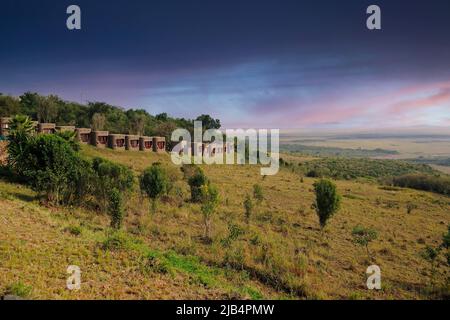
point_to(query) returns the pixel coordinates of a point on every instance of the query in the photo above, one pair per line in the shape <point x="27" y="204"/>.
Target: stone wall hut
<point x="99" y="139"/>
<point x="46" y="128"/>
<point x="116" y="141"/>
<point x="159" y="144"/>
<point x="146" y="143"/>
<point x="132" y="142"/>
<point x="83" y="135"/>
<point x="4" y="126"/>
<point x="65" y="128"/>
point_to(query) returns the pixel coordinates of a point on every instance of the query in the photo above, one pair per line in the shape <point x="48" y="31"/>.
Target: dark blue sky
<point x="285" y="64"/>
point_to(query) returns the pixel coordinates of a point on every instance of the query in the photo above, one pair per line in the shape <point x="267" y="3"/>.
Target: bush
<point x="258" y="193"/>
<point x="363" y="236"/>
<point x="327" y="200"/>
<point x="70" y="137"/>
<point x="20" y="133"/>
<point x="248" y="206"/>
<point x="115" y="208"/>
<point x="196" y="181"/>
<point x="109" y="176"/>
<point x="153" y="183"/>
<point x="210" y="200"/>
<point x="53" y="168"/>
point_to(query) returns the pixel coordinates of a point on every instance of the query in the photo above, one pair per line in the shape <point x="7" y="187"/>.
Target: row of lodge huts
<point x="100" y="139"/>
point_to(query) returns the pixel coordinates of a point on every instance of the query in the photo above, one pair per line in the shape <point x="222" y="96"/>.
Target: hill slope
<point x="281" y="253"/>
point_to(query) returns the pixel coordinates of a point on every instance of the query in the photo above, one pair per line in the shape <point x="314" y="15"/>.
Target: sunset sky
<point x="271" y="64"/>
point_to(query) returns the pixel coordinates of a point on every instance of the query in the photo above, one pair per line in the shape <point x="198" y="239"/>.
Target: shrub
<point x="53" y="168"/>
<point x="431" y="254"/>
<point x="258" y="193"/>
<point x="363" y="236"/>
<point x="210" y="200"/>
<point x="153" y="183"/>
<point x="19" y="289"/>
<point x="70" y="137"/>
<point x="115" y="208"/>
<point x="234" y="232"/>
<point x="248" y="206"/>
<point x="109" y="176"/>
<point x="20" y="133"/>
<point x="446" y="239"/>
<point x="327" y="200"/>
<point x="196" y="181"/>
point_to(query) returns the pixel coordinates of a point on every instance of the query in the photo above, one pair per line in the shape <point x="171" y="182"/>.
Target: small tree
<point x="52" y="168"/>
<point x="248" y="206"/>
<point x="431" y="254"/>
<point x="153" y="183"/>
<point x="110" y="175"/>
<point x="115" y="208"/>
<point x="196" y="182"/>
<point x="327" y="200"/>
<point x="363" y="236"/>
<point x="446" y="244"/>
<point x="20" y="133"/>
<point x="258" y="193"/>
<point x="210" y="201"/>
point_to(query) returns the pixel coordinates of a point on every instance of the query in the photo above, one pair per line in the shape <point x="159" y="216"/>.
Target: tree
<point x="52" y="168"/>
<point x="98" y="122"/>
<point x="47" y="108"/>
<point x="20" y="132"/>
<point x="208" y="122"/>
<point x="109" y="176"/>
<point x="153" y="183"/>
<point x="258" y="193"/>
<point x="363" y="236"/>
<point x="248" y="206"/>
<point x="196" y="181"/>
<point x="209" y="202"/>
<point x="9" y="106"/>
<point x="431" y="254"/>
<point x="327" y="200"/>
<point x="29" y="103"/>
<point x="115" y="208"/>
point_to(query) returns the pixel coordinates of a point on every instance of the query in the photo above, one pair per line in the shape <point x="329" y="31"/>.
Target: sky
<point x="253" y="64"/>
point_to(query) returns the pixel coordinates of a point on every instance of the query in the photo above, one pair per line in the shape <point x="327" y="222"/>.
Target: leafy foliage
<point x="115" y="208"/>
<point x="258" y="193"/>
<point x="248" y="207"/>
<point x="53" y="168"/>
<point x="196" y="181"/>
<point x="437" y="184"/>
<point x="363" y="236"/>
<point x="327" y="200"/>
<point x="20" y="133"/>
<point x="110" y="176"/>
<point x="344" y="168"/>
<point x="209" y="202"/>
<point x="154" y="183"/>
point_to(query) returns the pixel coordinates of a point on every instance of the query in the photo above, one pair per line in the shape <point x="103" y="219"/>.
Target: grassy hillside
<point x="281" y="253"/>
